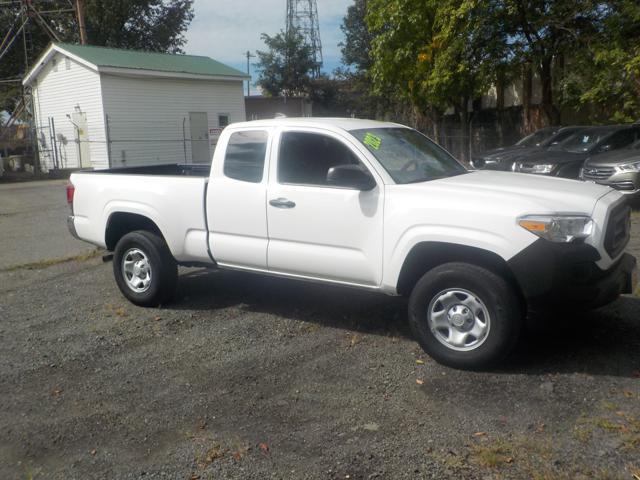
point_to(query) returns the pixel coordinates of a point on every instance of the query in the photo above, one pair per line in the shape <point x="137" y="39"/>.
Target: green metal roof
<point x="163" y="62"/>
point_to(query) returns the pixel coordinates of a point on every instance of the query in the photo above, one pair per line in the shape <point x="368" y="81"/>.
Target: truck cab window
<point x="244" y="158"/>
<point x="305" y="158"/>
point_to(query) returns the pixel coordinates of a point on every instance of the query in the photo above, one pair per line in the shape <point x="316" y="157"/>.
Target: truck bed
<point x="171" y="196"/>
<point x="172" y="170"/>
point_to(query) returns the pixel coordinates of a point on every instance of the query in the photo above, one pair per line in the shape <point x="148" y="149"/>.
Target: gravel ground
<point x="33" y="224"/>
<point x="253" y="377"/>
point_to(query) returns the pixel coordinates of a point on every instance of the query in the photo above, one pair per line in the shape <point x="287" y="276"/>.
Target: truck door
<point x="236" y="200"/>
<point x="317" y="230"/>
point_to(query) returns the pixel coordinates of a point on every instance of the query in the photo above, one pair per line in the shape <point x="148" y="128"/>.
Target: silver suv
<point x="619" y="169"/>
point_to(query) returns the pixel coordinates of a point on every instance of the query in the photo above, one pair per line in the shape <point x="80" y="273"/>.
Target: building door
<point x="199" y="128"/>
<point x="82" y="139"/>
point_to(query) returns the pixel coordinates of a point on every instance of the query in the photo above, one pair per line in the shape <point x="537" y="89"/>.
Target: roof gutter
<point x="139" y="72"/>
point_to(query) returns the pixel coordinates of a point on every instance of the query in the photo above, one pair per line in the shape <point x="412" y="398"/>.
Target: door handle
<point x="281" y="203"/>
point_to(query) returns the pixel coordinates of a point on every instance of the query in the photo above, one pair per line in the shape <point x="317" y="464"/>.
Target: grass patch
<point x="41" y="264"/>
<point x="494" y="454"/>
<point x="627" y="427"/>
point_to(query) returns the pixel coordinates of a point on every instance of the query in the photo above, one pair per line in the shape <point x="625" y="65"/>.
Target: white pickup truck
<point x="370" y="205"/>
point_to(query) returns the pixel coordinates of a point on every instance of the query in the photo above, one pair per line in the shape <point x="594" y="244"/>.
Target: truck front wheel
<point x="144" y="268"/>
<point x="465" y="316"/>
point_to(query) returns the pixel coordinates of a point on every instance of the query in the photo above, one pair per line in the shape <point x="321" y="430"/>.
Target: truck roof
<point x="322" y="122"/>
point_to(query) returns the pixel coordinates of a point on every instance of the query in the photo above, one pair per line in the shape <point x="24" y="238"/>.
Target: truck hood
<point x="617" y="157"/>
<point x="498" y="153"/>
<point x="516" y="192"/>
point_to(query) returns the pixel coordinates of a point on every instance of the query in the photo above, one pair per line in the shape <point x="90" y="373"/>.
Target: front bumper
<point x="564" y="274"/>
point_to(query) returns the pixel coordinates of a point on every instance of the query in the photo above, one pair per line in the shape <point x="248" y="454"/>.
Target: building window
<point x="223" y="120"/>
<point x="244" y="158"/>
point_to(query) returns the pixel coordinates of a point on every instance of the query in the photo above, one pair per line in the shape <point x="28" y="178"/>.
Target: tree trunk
<point x="550" y="111"/>
<point x="500" y="85"/>
<point x="464" y="124"/>
<point x="526" y="98"/>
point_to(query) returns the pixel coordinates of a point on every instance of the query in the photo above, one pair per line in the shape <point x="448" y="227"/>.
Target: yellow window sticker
<point x="372" y="141"/>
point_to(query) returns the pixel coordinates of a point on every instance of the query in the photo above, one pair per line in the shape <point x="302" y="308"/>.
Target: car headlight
<point x="558" y="228"/>
<point x="542" y="168"/>
<point x="629" y="167"/>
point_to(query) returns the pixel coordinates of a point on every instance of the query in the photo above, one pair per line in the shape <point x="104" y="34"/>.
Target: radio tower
<point x="303" y="16"/>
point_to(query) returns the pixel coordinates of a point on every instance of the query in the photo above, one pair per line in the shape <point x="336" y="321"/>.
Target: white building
<point x="103" y="107"/>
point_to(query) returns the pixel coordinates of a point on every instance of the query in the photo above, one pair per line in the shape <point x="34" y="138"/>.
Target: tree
<point x="439" y="54"/>
<point x="354" y="81"/>
<point x="607" y="74"/>
<point x="286" y="68"/>
<point x="356" y="48"/>
<point x="153" y="25"/>
<point x="543" y="33"/>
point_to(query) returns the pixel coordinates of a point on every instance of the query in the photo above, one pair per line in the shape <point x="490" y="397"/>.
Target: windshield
<point x="560" y="136"/>
<point x="583" y="141"/>
<point x="536" y="138"/>
<point x="407" y="155"/>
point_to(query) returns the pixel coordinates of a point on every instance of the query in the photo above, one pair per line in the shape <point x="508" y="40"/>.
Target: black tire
<point x="163" y="277"/>
<point x="501" y="303"/>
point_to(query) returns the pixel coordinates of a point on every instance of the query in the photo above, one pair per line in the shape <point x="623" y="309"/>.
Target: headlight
<point x="629" y="167"/>
<point x="558" y="228"/>
<point x="542" y="168"/>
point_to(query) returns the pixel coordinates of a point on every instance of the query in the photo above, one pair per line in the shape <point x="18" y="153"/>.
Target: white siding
<point x="146" y="115"/>
<point x="58" y="92"/>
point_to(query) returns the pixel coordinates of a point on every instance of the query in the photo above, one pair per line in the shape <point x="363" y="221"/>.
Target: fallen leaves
<point x="419" y="362"/>
<point x="264" y="448"/>
<point x="419" y="381"/>
<point x="210" y="456"/>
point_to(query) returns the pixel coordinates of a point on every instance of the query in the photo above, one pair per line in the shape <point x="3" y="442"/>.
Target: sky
<point x="226" y="29"/>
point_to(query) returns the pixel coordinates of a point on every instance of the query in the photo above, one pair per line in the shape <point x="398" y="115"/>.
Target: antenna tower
<point x="303" y="16"/>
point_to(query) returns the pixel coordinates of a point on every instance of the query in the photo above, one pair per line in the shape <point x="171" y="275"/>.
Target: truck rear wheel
<point x="144" y="268"/>
<point x="465" y="316"/>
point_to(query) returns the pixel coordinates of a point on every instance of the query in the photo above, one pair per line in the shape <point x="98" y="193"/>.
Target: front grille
<point x="626" y="185"/>
<point x="618" y="230"/>
<point x="597" y="173"/>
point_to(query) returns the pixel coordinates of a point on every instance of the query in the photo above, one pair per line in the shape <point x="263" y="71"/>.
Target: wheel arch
<point x="425" y="256"/>
<point x="121" y="223"/>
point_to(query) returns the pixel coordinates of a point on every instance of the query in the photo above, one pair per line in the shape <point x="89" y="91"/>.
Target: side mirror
<point x="350" y="176"/>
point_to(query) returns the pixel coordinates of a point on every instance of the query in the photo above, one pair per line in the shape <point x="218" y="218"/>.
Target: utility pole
<point x="249" y="56"/>
<point x="81" y="25"/>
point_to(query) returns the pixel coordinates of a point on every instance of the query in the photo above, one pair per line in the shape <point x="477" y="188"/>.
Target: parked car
<point x="497" y="158"/>
<point x="370" y="205"/>
<point x="619" y="169"/>
<point x="505" y="158"/>
<point x="566" y="159"/>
